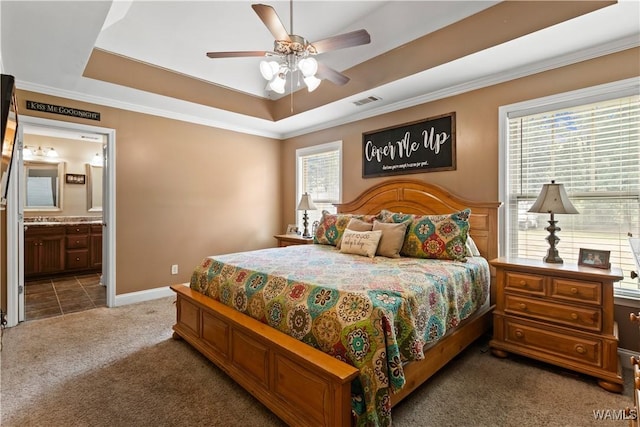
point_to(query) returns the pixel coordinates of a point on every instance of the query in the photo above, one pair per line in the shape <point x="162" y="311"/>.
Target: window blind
<point x="319" y="175"/>
<point x="594" y="150"/>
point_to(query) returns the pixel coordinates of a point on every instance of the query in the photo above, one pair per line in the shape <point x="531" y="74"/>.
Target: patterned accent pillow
<point x="332" y="226"/>
<point x="437" y="236"/>
<point x="389" y="216"/>
<point x="360" y="242"/>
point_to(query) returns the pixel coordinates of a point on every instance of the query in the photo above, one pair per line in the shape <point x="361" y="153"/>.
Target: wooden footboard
<point x="275" y="367"/>
<point x="301" y="385"/>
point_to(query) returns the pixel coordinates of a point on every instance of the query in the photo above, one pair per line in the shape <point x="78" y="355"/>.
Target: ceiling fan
<point x="295" y="53"/>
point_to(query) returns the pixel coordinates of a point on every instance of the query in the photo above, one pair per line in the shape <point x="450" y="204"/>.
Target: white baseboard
<point x="141" y="296"/>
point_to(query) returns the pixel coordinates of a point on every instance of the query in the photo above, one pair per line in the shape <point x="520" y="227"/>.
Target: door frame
<point x="15" y="218"/>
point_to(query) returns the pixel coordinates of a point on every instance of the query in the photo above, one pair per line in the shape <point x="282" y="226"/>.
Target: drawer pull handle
<point x="523" y="283"/>
<point x="77" y="241"/>
<point x="522" y="306"/>
<point x="77" y="258"/>
<point x="574" y="290"/>
<point x="574" y="316"/>
<point x="580" y="349"/>
<point x="519" y="333"/>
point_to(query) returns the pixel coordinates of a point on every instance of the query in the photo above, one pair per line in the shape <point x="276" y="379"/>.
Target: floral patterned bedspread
<point x="373" y="313"/>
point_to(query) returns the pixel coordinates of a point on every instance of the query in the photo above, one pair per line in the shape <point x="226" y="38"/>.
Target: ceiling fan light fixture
<point x="308" y="66"/>
<point x="277" y="84"/>
<point x="312" y="83"/>
<point x="268" y="69"/>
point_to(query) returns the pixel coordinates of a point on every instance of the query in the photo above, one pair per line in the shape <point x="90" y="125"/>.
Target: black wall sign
<point x="65" y="111"/>
<point x="424" y="146"/>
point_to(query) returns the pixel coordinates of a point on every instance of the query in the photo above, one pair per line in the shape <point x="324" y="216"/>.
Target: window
<point x="590" y="142"/>
<point x="319" y="173"/>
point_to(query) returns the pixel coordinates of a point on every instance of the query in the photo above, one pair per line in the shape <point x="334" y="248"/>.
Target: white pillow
<point x="472" y="249"/>
<point x="360" y="242"/>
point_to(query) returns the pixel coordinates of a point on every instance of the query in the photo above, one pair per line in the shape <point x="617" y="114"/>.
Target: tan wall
<point x="476" y="176"/>
<point x="183" y="191"/>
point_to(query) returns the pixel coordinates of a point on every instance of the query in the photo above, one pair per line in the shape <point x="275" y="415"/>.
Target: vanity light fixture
<point x="97" y="160"/>
<point x="28" y="153"/>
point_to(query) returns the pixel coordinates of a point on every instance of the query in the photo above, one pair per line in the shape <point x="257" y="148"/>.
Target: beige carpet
<point x="120" y="367"/>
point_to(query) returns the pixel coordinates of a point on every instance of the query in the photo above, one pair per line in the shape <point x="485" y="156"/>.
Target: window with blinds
<point x="319" y="174"/>
<point x="594" y="150"/>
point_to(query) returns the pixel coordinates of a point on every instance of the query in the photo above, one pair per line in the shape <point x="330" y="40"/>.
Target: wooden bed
<point x="235" y="342"/>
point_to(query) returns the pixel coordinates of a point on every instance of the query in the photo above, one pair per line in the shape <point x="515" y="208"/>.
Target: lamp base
<point x="552" y="258"/>
<point x="552" y="254"/>
<point x="305" y="222"/>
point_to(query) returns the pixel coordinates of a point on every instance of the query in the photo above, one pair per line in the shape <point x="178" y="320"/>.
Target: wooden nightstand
<point x="560" y="314"/>
<point x="292" y="239"/>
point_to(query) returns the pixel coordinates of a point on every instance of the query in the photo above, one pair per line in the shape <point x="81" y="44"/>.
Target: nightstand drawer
<point x="576" y="317"/>
<point x="581" y="349"/>
<point x="573" y="290"/>
<point x="521" y="282"/>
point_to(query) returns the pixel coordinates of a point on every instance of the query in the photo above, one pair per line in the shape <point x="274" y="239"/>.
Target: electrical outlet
<point x="174" y="269"/>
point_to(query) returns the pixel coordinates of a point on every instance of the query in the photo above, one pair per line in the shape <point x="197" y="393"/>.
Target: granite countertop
<point x="44" y="221"/>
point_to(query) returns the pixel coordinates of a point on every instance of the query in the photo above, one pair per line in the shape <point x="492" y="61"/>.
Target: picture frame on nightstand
<point x="292" y="229"/>
<point x="594" y="258"/>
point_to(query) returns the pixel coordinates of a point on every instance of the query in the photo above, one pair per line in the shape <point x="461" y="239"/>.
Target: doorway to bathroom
<point x="64" y="220"/>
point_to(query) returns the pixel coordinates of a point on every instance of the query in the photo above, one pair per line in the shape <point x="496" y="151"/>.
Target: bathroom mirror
<point x="43" y="190"/>
<point x="94" y="188"/>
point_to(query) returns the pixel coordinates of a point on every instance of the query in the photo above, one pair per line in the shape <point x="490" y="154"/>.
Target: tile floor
<point x="63" y="295"/>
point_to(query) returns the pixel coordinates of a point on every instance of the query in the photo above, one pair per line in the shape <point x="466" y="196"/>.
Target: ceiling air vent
<point x="366" y="100"/>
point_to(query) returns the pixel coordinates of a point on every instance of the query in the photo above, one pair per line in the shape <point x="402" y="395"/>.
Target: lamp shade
<point x="553" y="199"/>
<point x="306" y="204"/>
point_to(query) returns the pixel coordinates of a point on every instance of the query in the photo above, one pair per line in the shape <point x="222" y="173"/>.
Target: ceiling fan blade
<point x="237" y="54"/>
<point x="328" y="73"/>
<point x="270" y="18"/>
<point x="354" y="38"/>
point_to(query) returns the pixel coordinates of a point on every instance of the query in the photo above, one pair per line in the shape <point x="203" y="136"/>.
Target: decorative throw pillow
<point x="389" y="216"/>
<point x="438" y="236"/>
<point x="331" y="227"/>
<point x="392" y="238"/>
<point x="360" y="242"/>
<point x="356" y="224"/>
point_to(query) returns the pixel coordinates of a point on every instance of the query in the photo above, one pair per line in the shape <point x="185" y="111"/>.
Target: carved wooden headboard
<point x="416" y="197"/>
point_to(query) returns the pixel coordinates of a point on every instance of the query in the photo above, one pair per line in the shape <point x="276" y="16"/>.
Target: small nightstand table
<point x="558" y="313"/>
<point x="292" y="239"/>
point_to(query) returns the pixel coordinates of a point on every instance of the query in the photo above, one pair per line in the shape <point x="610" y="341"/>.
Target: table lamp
<point x="306" y="204"/>
<point x="553" y="199"/>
